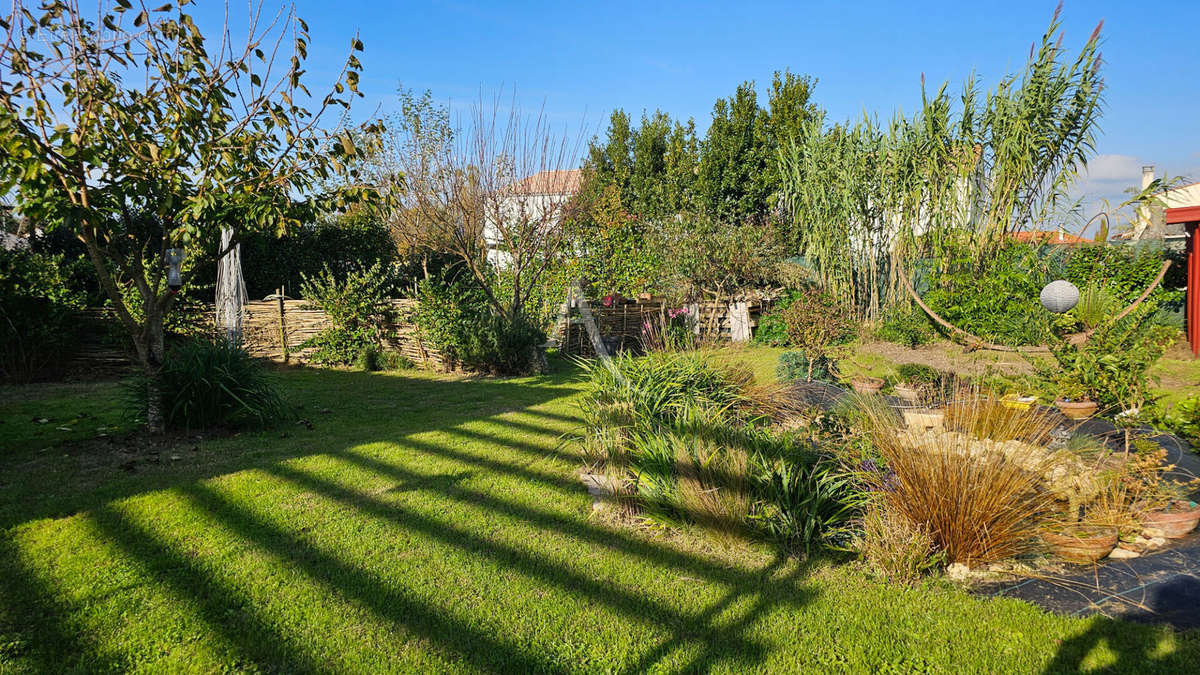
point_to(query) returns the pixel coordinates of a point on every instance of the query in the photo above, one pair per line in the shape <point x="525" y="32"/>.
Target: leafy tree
<point x="611" y="163"/>
<point x="788" y="109"/>
<point x="130" y="111"/>
<point x="734" y="173"/>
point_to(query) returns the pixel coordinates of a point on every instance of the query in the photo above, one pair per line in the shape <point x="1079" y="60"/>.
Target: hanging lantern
<point x="174" y="258"/>
<point x="1060" y="296"/>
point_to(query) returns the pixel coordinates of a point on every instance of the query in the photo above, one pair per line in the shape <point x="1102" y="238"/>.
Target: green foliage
<point x="136" y="155"/>
<point x="908" y="326"/>
<point x="862" y="196"/>
<point x="917" y="373"/>
<point x="1113" y="366"/>
<point x="1125" y="271"/>
<point x="454" y="316"/>
<point x="340" y="347"/>
<point x="1183" y="419"/>
<point x="796" y="366"/>
<point x="996" y="300"/>
<point x="804" y="500"/>
<point x="374" y="358"/>
<point x="771" y="330"/>
<point x="339" y="246"/>
<point x="356" y="300"/>
<point x="1095" y="305"/>
<point x="815" y="320"/>
<point x="655" y="188"/>
<point x="37" y="306"/>
<point x="734" y="181"/>
<point x="206" y="384"/>
<point x="357" y="308"/>
<point x="714" y="258"/>
<point x="611" y="245"/>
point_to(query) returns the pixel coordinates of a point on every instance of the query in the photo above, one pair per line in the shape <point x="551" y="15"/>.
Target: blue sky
<point x="584" y="59"/>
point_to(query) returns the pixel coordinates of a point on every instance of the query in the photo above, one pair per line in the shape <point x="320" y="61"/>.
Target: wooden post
<point x="283" y="340"/>
<point x="739" y="321"/>
<point x="585" y="311"/>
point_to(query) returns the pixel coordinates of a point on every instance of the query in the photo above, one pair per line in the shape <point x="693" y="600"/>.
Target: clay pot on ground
<point x="1076" y="410"/>
<point x="864" y="384"/>
<point x="1175" y="521"/>
<point x="1083" y="544"/>
<point x="907" y="392"/>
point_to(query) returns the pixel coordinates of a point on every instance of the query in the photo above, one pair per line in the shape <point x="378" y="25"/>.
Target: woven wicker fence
<point x="276" y="329"/>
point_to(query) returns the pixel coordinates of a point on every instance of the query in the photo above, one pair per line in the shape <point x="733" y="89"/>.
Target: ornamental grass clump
<point x="981" y="499"/>
<point x="683" y="439"/>
<point x="210" y="383"/>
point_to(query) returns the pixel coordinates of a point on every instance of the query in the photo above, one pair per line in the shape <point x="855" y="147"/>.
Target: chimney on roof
<point x="1147" y="175"/>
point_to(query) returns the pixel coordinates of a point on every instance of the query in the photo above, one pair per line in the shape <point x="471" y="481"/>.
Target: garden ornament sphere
<point x="1060" y="296"/>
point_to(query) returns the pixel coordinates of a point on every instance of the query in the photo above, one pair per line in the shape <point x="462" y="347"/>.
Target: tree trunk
<point x="152" y="348"/>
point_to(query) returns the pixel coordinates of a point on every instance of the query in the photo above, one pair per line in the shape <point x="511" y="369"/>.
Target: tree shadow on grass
<point x="344" y="407"/>
<point x="257" y="642"/>
<point x="1134" y="653"/>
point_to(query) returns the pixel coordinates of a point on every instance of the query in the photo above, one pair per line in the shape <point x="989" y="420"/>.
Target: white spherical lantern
<point x="1060" y="296"/>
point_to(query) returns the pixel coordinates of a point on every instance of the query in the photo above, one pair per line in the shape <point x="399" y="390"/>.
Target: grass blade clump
<point x="689" y="440"/>
<point x="210" y="383"/>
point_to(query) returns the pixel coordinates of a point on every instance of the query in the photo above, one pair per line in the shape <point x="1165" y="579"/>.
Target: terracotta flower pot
<point x="1076" y="410"/>
<point x="907" y="392"/>
<point x="1179" y="518"/>
<point x="1082" y="544"/>
<point x="866" y="385"/>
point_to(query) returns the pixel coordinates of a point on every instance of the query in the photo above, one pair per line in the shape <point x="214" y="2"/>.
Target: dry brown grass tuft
<point x="902" y="550"/>
<point x="984" y="416"/>
<point x="981" y="499"/>
<point x="713" y="488"/>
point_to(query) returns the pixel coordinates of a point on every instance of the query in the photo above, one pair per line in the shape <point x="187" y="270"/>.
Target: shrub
<point x="814" y="321"/>
<point x="1183" y="419"/>
<point x="390" y="360"/>
<point x="796" y="366"/>
<point x="1125" y="272"/>
<point x="357" y="308"/>
<point x="997" y="299"/>
<point x="1113" y="366"/>
<point x="908" y="326"/>
<point x="454" y="315"/>
<point x="340" y="247"/>
<point x="207" y="384"/>
<point x="771" y="329"/>
<point x="37" y="308"/>
<point x="503" y="346"/>
<point x="369" y="359"/>
<point x="918" y="373"/>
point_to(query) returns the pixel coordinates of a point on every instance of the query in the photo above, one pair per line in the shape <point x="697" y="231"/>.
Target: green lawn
<point x="433" y="523"/>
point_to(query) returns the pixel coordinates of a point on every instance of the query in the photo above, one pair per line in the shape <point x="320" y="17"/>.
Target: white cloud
<point x="1114" y="168"/>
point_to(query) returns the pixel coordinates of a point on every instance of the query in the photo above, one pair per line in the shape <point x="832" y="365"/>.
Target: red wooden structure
<point x="1189" y="216"/>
